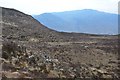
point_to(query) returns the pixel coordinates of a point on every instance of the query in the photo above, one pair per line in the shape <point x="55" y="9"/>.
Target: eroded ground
<point x="85" y="59"/>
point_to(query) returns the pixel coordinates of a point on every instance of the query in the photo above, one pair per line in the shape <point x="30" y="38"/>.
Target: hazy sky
<point x="42" y="6"/>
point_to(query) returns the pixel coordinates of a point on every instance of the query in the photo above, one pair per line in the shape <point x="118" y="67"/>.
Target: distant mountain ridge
<point x="81" y="21"/>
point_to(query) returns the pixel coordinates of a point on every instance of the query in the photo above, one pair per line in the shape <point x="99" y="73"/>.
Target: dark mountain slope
<point x="82" y="21"/>
<point x="23" y="27"/>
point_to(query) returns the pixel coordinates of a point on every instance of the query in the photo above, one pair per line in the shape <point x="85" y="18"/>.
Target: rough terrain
<point x="31" y="50"/>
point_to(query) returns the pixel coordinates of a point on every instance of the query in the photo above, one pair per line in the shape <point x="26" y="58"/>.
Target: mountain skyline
<point x="81" y="21"/>
<point x="36" y="7"/>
